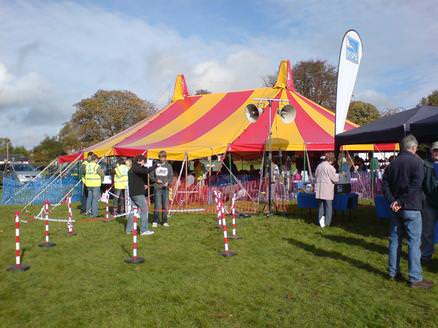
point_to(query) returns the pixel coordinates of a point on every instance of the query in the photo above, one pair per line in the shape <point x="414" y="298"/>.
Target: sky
<point x="55" y="53"/>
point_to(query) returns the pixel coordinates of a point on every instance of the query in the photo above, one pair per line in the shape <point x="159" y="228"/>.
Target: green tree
<point x="430" y="100"/>
<point x="314" y="79"/>
<point x="362" y="113"/>
<point x="7" y="146"/>
<point x="47" y="150"/>
<point x="101" y="116"/>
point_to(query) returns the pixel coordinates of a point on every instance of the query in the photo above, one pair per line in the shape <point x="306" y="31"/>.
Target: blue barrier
<point x="15" y="193"/>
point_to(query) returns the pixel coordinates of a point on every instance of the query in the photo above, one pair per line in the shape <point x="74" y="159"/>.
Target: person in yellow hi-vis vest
<point x="84" y="188"/>
<point x="93" y="180"/>
<point x="120" y="185"/>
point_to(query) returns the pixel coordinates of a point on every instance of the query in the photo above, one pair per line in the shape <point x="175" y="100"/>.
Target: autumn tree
<point x="362" y="113"/>
<point x="314" y="79"/>
<point x="102" y="116"/>
<point x="430" y="100"/>
<point x="48" y="149"/>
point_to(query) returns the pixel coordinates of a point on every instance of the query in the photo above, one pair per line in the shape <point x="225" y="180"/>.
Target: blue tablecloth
<point x="342" y="202"/>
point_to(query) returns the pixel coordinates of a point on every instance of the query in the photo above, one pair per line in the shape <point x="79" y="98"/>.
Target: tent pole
<point x="178" y="182"/>
<point x="372" y="174"/>
<point x="261" y="176"/>
<point x="187" y="176"/>
<point x="231" y="166"/>
<point x="270" y="161"/>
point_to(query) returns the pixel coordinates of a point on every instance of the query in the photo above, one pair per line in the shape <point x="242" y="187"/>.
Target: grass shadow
<point x="358" y="242"/>
<point x="335" y="255"/>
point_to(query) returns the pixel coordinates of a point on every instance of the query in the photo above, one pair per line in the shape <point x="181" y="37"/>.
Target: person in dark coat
<point x="402" y="187"/>
<point x="430" y="208"/>
<point x="137" y="180"/>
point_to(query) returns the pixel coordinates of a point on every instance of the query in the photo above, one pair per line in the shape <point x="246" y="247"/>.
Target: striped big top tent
<point x="199" y="126"/>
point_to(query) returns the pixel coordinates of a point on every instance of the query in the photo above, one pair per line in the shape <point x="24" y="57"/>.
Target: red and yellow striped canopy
<point x="211" y="124"/>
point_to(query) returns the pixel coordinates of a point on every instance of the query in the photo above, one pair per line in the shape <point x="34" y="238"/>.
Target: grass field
<point x="288" y="273"/>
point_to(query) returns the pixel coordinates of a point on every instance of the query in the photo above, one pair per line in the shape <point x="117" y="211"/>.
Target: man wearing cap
<point x="430" y="206"/>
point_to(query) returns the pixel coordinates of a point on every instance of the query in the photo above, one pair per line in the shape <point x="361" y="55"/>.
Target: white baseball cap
<point x="434" y="145"/>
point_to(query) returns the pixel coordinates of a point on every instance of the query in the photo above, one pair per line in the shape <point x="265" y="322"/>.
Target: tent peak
<point x="284" y="76"/>
<point x="180" y="90"/>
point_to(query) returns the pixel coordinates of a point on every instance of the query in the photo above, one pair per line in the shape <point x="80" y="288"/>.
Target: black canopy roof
<point x="427" y="129"/>
<point x="392" y="128"/>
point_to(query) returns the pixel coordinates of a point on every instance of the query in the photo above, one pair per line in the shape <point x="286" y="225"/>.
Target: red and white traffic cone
<point x="18" y="265"/>
<point x="135" y="259"/>
<point x="46" y="243"/>
<point x="70" y="231"/>
<point x="234" y="217"/>
<point x="226" y="251"/>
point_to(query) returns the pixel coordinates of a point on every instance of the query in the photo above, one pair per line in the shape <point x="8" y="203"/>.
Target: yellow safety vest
<point x="83" y="169"/>
<point x="121" y="177"/>
<point x="92" y="178"/>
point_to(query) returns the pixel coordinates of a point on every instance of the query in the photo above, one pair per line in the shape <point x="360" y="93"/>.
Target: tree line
<point x="107" y="113"/>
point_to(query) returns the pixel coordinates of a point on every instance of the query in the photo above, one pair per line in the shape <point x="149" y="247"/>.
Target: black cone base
<point x="134" y="260"/>
<point x="228" y="254"/>
<point x="235" y="238"/>
<point x="47" y="245"/>
<point x="71" y="233"/>
<point x="21" y="268"/>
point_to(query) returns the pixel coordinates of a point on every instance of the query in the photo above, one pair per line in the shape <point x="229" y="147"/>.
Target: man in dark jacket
<point x="137" y="179"/>
<point x="430" y="208"/>
<point x="162" y="178"/>
<point x="402" y="187"/>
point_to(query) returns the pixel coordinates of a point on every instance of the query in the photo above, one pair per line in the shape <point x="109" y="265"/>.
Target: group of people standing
<point x="130" y="179"/>
<point x="410" y="185"/>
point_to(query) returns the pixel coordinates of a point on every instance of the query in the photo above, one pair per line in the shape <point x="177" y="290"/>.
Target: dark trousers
<point x="84" y="198"/>
<point x="119" y="201"/>
<point x="161" y="198"/>
<point x="429" y="216"/>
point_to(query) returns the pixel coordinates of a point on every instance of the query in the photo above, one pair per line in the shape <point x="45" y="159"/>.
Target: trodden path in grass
<point x="287" y="273"/>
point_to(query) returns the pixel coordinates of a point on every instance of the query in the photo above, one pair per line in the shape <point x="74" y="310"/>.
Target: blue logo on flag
<point x="352" y="50"/>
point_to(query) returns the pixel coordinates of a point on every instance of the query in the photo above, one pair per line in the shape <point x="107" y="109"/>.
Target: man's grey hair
<point x="408" y="142"/>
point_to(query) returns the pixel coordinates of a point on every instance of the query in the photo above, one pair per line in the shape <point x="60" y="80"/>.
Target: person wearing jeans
<point x="162" y="177"/>
<point x="93" y="181"/>
<point x="93" y="201"/>
<point x="326" y="177"/>
<point x="402" y="188"/>
<point x="410" y="221"/>
<point x="140" y="202"/>
<point x="137" y="179"/>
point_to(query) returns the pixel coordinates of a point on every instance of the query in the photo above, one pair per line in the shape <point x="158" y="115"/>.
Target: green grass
<point x="288" y="273"/>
